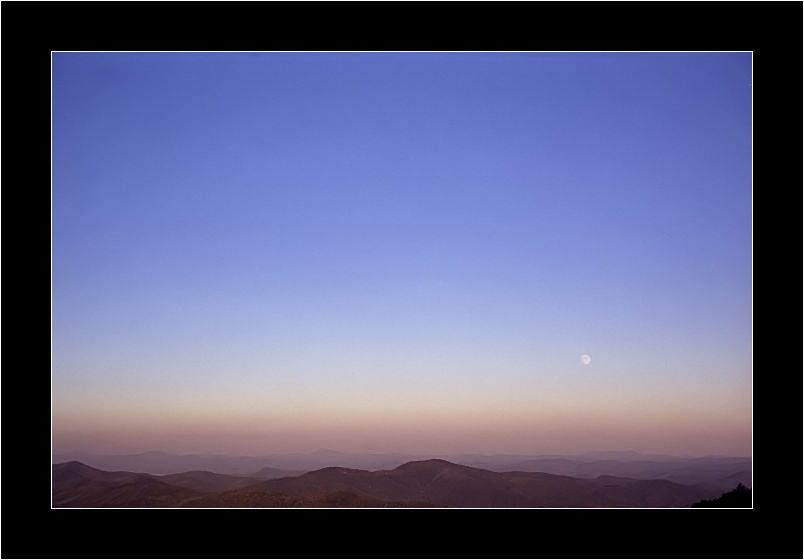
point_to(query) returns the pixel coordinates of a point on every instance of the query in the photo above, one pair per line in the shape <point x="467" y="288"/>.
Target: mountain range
<point x="427" y="483"/>
<point x="723" y="472"/>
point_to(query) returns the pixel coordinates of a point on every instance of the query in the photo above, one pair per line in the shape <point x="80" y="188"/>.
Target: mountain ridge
<point x="426" y="483"/>
<point x="724" y="472"/>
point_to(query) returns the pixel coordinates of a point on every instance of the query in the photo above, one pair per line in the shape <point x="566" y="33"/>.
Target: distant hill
<point x="78" y="485"/>
<point x="429" y="483"/>
<point x="286" y="464"/>
<point x="157" y="462"/>
<point x="455" y="485"/>
<point x="723" y="472"/>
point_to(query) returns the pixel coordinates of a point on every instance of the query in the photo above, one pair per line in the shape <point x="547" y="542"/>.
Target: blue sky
<point x="270" y="252"/>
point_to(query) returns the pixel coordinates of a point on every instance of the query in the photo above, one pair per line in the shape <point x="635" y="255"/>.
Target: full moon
<point x="586" y="359"/>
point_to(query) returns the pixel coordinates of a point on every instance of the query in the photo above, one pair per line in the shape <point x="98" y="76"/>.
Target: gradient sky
<point x="280" y="252"/>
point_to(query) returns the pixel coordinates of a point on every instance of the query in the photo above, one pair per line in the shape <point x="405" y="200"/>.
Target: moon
<point x="586" y="359"/>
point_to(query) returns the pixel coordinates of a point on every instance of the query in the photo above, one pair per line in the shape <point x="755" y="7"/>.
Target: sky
<point x="262" y="253"/>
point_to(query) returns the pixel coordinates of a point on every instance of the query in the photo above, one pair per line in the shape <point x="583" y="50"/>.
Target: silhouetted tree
<point x="740" y="497"/>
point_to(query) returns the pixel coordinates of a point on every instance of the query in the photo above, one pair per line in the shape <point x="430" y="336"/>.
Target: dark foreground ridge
<point x="740" y="497"/>
<point x="429" y="483"/>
